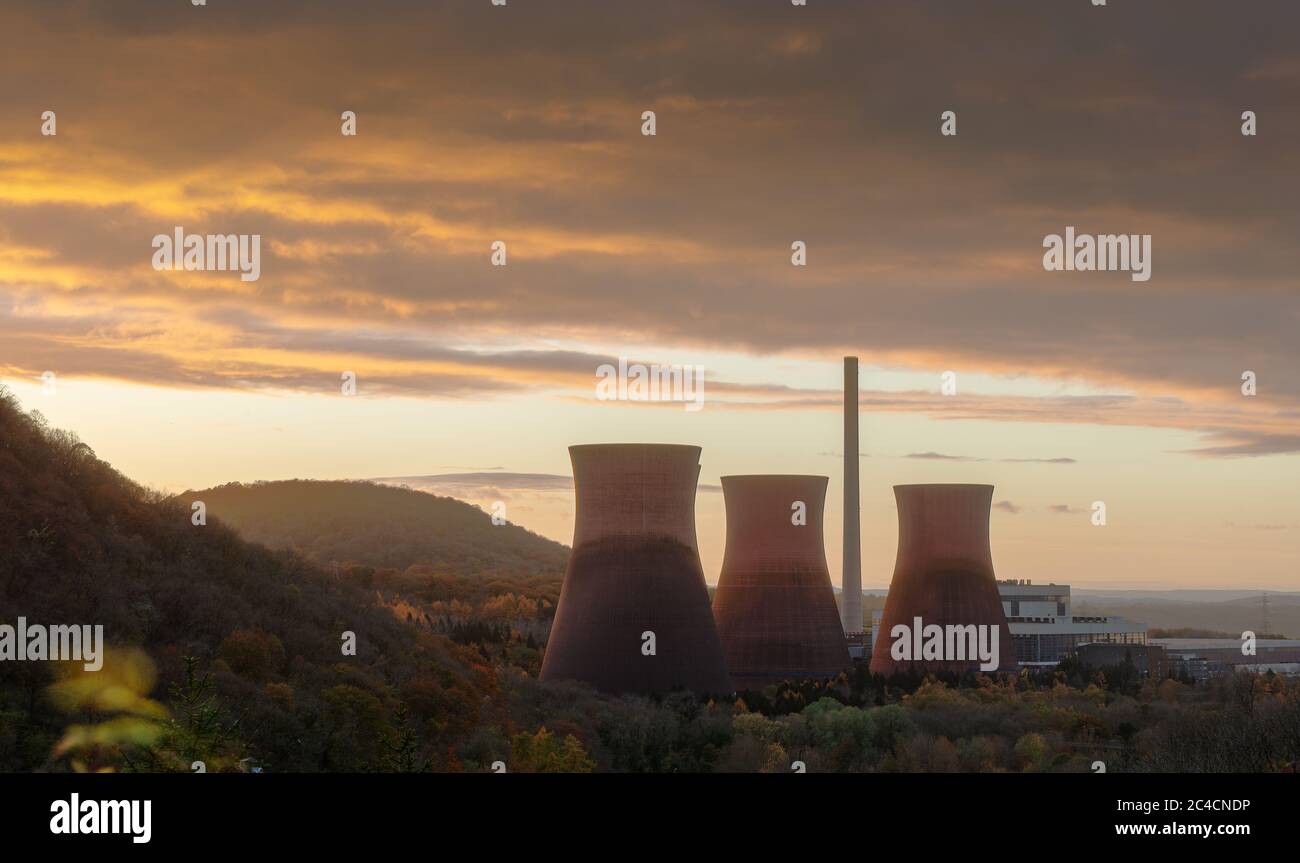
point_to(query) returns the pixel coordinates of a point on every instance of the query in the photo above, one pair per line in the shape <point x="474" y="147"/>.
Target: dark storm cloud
<point x="776" y="123"/>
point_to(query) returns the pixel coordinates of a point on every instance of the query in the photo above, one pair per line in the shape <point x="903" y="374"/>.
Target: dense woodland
<point x="228" y="652"/>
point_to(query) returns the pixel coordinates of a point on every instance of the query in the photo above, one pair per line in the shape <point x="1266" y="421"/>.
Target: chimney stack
<point x="851" y="607"/>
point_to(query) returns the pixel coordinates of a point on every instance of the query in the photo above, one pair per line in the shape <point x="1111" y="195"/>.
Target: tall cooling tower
<point x="774" y="604"/>
<point x="635" y="569"/>
<point x="943" y="573"/>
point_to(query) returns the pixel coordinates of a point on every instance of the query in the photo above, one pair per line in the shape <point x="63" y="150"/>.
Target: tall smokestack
<point x="851" y="608"/>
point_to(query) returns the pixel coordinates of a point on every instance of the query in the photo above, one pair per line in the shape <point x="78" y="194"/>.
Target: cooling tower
<point x="774" y="604"/>
<point x="851" y="580"/>
<point x="635" y="569"/>
<point x="943" y="575"/>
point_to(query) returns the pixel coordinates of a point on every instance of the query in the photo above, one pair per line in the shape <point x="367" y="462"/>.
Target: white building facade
<point x="1044" y="630"/>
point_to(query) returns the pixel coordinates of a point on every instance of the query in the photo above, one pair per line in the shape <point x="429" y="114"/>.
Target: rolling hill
<point x="357" y="522"/>
<point x="1231" y="615"/>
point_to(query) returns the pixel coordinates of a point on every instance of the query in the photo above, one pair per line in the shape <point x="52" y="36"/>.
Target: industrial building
<point x="1202" y="658"/>
<point x="633" y="613"/>
<point x="943" y="576"/>
<point x="774" y="605"/>
<point x="1150" y="660"/>
<point x="1198" y="659"/>
<point x="1044" y="630"/>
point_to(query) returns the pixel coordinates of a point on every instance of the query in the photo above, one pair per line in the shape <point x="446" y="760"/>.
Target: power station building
<point x="1202" y="658"/>
<point x="1044" y="628"/>
<point x="943" y="577"/>
<point x="774" y="604"/>
<point x="633" y="614"/>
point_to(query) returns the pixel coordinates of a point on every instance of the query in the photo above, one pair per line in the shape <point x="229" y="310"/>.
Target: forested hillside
<point x="379" y="526"/>
<point x="82" y="544"/>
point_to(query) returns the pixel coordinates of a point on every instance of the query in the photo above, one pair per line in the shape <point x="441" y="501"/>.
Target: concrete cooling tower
<point x="635" y="571"/>
<point x="943" y="575"/>
<point x="774" y="604"/>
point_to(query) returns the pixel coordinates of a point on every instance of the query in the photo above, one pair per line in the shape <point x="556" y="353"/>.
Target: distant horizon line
<point x="1239" y="591"/>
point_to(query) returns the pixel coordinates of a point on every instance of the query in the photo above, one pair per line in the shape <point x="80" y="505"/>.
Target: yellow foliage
<point x="120" y="687"/>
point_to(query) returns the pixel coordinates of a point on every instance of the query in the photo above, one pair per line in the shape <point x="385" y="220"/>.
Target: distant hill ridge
<point x="362" y="522"/>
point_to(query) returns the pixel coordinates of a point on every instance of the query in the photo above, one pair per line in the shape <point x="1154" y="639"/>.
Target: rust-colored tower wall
<point x="943" y="573"/>
<point x="635" y="568"/>
<point x="774" y="604"/>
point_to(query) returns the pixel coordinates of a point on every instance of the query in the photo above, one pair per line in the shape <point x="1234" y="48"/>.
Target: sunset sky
<point x="775" y="124"/>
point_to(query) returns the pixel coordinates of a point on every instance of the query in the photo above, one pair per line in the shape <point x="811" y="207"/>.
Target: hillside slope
<point x="379" y="526"/>
<point x="1232" y="617"/>
<point x="82" y="544"/>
